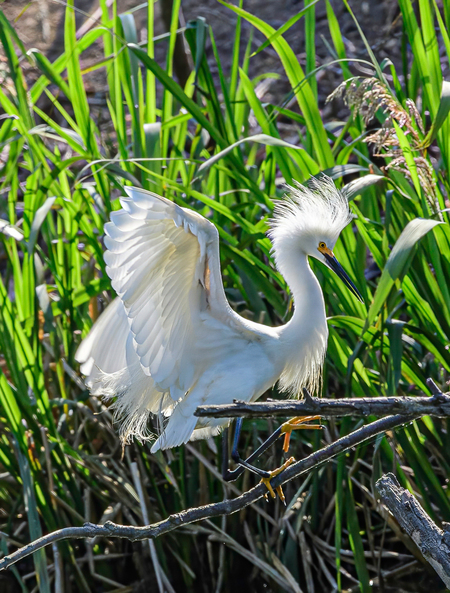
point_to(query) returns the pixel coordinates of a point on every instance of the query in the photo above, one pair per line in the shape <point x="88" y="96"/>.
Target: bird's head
<point x="308" y="221"/>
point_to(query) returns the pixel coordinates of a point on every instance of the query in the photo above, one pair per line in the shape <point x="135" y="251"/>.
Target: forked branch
<point x="438" y="405"/>
<point x="227" y="507"/>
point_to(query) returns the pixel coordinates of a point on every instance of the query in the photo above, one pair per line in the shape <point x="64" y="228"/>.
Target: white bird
<point x="170" y="342"/>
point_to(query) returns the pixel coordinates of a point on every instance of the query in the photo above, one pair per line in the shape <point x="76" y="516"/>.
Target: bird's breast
<point x="303" y="347"/>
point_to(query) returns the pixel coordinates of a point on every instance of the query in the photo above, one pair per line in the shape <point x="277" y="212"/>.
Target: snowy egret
<point x="170" y="342"/>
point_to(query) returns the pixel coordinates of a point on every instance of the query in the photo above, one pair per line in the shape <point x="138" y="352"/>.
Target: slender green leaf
<point x="282" y="30"/>
<point x="259" y="138"/>
<point x="398" y="262"/>
<point x="441" y="115"/>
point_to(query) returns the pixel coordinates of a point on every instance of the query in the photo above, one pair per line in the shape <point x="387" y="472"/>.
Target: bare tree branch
<point x="226" y="507"/>
<point x="437" y="405"/>
<point x="434" y="543"/>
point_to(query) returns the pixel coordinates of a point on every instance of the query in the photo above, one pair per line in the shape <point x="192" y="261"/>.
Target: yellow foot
<point x="278" y="489"/>
<point x="297" y="424"/>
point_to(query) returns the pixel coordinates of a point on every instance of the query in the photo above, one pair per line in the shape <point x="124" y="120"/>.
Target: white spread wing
<point x="103" y="350"/>
<point x="164" y="264"/>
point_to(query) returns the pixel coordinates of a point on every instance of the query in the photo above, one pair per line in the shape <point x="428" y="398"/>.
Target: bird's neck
<point x="306" y="292"/>
<point x="305" y="336"/>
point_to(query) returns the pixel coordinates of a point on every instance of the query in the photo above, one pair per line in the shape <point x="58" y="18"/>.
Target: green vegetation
<point x="61" y="174"/>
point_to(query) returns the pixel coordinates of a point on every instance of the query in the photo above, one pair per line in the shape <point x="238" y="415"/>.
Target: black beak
<point x="339" y="270"/>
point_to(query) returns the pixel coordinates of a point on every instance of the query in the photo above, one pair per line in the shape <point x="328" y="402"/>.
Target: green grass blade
<point x="305" y="96"/>
<point x="178" y="93"/>
<point x="259" y="138"/>
<point x="282" y="30"/>
<point x="441" y="115"/>
<point x="398" y="262"/>
<point x="356" y="542"/>
<point x="34" y="526"/>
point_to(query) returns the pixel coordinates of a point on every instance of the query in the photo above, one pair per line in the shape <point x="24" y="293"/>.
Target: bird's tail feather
<point x="136" y="400"/>
<point x="207" y="432"/>
<point x="179" y="429"/>
<point x="112" y="369"/>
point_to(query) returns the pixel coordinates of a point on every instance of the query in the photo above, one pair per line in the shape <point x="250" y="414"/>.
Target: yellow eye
<point x="322" y="245"/>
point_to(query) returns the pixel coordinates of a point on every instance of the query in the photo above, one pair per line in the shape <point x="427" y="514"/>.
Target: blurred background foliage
<point x="211" y="140"/>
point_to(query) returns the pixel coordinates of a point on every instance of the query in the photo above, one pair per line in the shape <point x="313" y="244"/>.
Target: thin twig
<point x="226" y="507"/>
<point x="436" y="405"/>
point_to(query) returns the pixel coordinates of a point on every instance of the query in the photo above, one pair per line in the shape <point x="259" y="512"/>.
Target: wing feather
<point x="164" y="264"/>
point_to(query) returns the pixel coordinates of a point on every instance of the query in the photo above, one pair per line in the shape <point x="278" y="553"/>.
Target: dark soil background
<point x="40" y="24"/>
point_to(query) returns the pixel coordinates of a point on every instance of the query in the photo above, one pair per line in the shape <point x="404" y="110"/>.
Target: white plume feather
<point x="318" y="210"/>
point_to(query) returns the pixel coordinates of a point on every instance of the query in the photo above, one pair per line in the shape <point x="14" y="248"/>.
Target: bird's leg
<point x="298" y="423"/>
<point x="286" y="429"/>
<point x="231" y="475"/>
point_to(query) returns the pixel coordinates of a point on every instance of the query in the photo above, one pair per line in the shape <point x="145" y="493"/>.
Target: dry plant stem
<point x="434" y="543"/>
<point x="226" y="507"/>
<point x="437" y="405"/>
<point x="140" y="492"/>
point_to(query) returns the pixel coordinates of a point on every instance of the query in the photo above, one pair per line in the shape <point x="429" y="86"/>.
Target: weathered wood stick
<point x="436" y="405"/>
<point x="434" y="543"/>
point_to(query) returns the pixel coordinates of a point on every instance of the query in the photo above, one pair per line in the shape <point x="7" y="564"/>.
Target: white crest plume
<point x="317" y="209"/>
